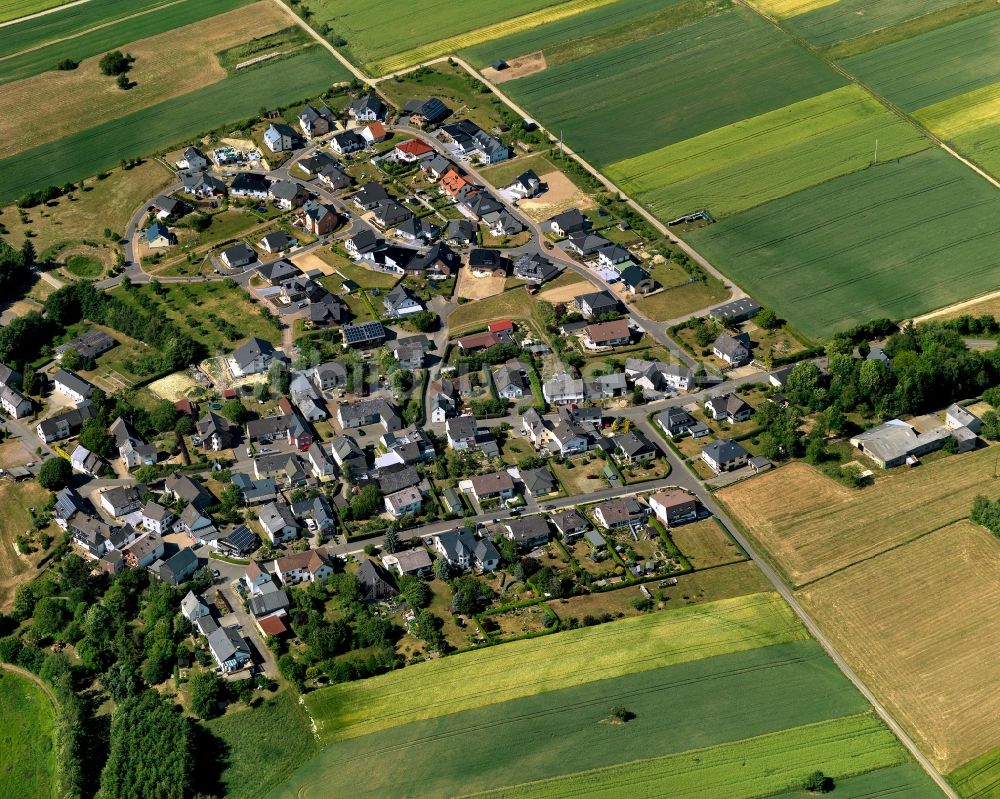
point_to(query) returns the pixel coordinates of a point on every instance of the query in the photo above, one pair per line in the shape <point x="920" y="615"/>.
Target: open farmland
<point x="168" y="65"/>
<point x="82" y="32"/>
<point x="814" y="527"/>
<point x="738" y="696"/>
<point x="750" y="162"/>
<point x="27" y="728"/>
<point x="918" y="623"/>
<point x="750" y="65"/>
<point x="377" y="31"/>
<point x="979" y="778"/>
<point x="525" y="668"/>
<point x="161" y="125"/>
<point x="756" y="767"/>
<point x="597" y="29"/>
<point x="826" y="23"/>
<point x="969" y="122"/>
<point x="934" y="66"/>
<point x="14" y="9"/>
<point x="893" y="241"/>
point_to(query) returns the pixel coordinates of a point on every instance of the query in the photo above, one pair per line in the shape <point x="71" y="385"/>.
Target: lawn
<point x="918" y="624"/>
<point x="745" y="769"/>
<point x="591" y="31"/>
<point x="170" y="122"/>
<point x="933" y="66"/>
<point x="582" y="478"/>
<point x="383" y="40"/>
<point x="772" y="155"/>
<point x="706" y="544"/>
<point x="892" y="241"/>
<point x="719" y="582"/>
<point x="100" y="204"/>
<point x="167" y="65"/>
<point x="193" y="304"/>
<point x="16" y="499"/>
<point x="27" y="729"/>
<point x="365" y="278"/>
<point x="850" y="19"/>
<point x="525" y="668"/>
<point x="513" y="304"/>
<point x="37" y="45"/>
<point x="265" y="744"/>
<point x="751" y="66"/>
<point x="680" y="301"/>
<point x="503" y="174"/>
<point x="84" y="267"/>
<point x="560" y="732"/>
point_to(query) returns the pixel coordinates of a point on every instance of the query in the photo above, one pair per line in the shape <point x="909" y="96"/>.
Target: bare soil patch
<point x="478" y="288"/>
<point x="308" y="261"/>
<point x="518" y="67"/>
<point x="562" y="194"/>
<point x="567" y="293"/>
<point x="919" y="625"/>
<point x="166" y="65"/>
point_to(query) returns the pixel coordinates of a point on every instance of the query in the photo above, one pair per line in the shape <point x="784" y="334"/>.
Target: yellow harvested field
<point x="783" y="9"/>
<point x="986" y="304"/>
<point x="173" y="387"/>
<point x="478" y="288"/>
<point x="167" y="65"/>
<point x="813" y="527"/>
<point x="454" y="43"/>
<point x="963" y="114"/>
<point x="567" y="293"/>
<point x="919" y="624"/>
<point x="309" y="261"/>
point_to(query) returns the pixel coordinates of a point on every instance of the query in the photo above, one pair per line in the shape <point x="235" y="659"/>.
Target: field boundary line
<point x="44" y="13"/>
<point x="78" y="34"/>
<point x="886" y="551"/>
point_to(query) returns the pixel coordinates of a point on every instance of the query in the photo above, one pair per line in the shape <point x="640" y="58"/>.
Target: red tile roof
<point x="272" y="625"/>
<point x="478" y="341"/>
<point x="501" y="326"/>
<point x="414" y="147"/>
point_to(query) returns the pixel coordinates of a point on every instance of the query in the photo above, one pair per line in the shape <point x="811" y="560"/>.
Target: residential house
<point x="528" y="533"/>
<point x="73" y="386"/>
<point x="269" y="604"/>
<point x="612" y="256"/>
<point x="463" y="550"/>
<point x="374" y="582"/>
<point x="586" y="244"/>
<point x="402" y="502"/>
<point x="164" y="207"/>
<point x="86" y="462"/>
<point x="314" y="123"/>
<point x="194" y="159"/>
<point x="14" y="403"/>
<point x="194" y="607"/>
<point x="254" y="357"/>
<point x="605" y="387"/>
<point x="734" y="350"/>
<point x="415" y="562"/>
<point x="202" y="185"/>
<point x="364" y="334"/>
<point x="389" y="213"/>
<point x="156" y="518"/>
<point x="597" y="304"/>
<point x="179" y="567"/>
<point x="637" y="280"/>
<point x="215" y="433"/>
<point x="366" y="412"/>
<point x="728" y="408"/>
<point x="277" y="242"/>
<point x="373" y="133"/>
<point x="460" y="232"/>
<point x="65" y="424"/>
<point x="569" y="524"/>
<point x="479" y="341"/>
<point x="563" y="389"/>
<point x="734" y="312"/>
<point x="329" y="375"/>
<point x="240" y="254"/>
<point x="347" y="142"/>
<point x="313" y="565"/>
<point x="623" y="512"/>
<point x="181" y="487"/>
<point x="122" y="500"/>
<point x="143" y="551"/>
<point x="634" y="448"/>
<point x="677" y="422"/>
<point x="334" y="177"/>
<point x="250" y="184"/>
<point x="287" y="195"/>
<point x="412" y="150"/>
<point x="254" y="492"/>
<point x="230" y="650"/>
<point x="277" y="272"/>
<point x="370" y="195"/>
<point x="724" y="455"/>
<point x="195" y="523"/>
<point x="607" y="334"/>
<point x="279" y="138"/>
<point x="158" y="235"/>
<point x="409" y="352"/>
<point x="510" y="383"/>
<point x="538" y="482"/>
<point x="566" y="223"/>
<point x="278" y="523"/>
<point x="349" y="457"/>
<point x="497" y="485"/>
<point x="368" y="108"/>
<point x="525" y="185"/>
<point x="426" y="112"/>
<point x="400" y="302"/>
<point x="534" y="268"/>
<point x="674" y="507"/>
<point x="461" y="432"/>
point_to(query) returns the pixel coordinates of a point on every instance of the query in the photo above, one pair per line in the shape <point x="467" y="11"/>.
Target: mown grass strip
<point x="753" y="767"/>
<point x="525" y="668"/>
<point x="453" y="43"/>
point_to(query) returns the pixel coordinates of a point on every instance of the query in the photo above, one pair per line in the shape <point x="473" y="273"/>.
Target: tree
<point x="70" y="359"/>
<point x="425" y="321"/>
<point x="206" y="693"/>
<point x="96" y="438"/>
<point x="818" y="782"/>
<point x="391" y="541"/>
<point x="163" y="416"/>
<point x="55" y="474"/>
<point x="67" y="64"/>
<point x="123" y="82"/>
<point x="415" y="591"/>
<point x="49" y="616"/>
<point x="235" y="411"/>
<point x="766" y="318"/>
<point x="442" y="569"/>
<point x="114" y="63"/>
<point x="367" y="502"/>
<point x="28" y="256"/>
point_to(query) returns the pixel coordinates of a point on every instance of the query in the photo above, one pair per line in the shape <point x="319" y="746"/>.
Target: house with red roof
<point x="501" y="326"/>
<point x="413" y="150"/>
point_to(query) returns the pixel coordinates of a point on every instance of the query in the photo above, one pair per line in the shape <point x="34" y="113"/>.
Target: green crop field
<point x="560" y="732"/>
<point x="849" y="19"/>
<point x="591" y="31"/>
<point x="144" y="132"/>
<point x="27" y="724"/>
<point x="759" y="159"/>
<point x="754" y="767"/>
<point x="525" y="668"/>
<point x="13" y="9"/>
<point x="263" y="745"/>
<point x="908" y="780"/>
<point x="980" y="778"/>
<point x="934" y="66"/>
<point x="377" y="29"/>
<point x="897" y="240"/>
<point x="81" y="45"/>
<point x="651" y="93"/>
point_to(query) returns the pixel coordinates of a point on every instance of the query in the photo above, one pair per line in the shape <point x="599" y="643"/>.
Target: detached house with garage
<point x="315" y="123"/>
<point x="674" y="507"/>
<point x="728" y="408"/>
<point x="734" y="350"/>
<point x="279" y="138"/>
<point x="463" y="550"/>
<point x="368" y="108"/>
<point x="498" y="486"/>
<point x="724" y="456"/>
<point x="73" y="386"/>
